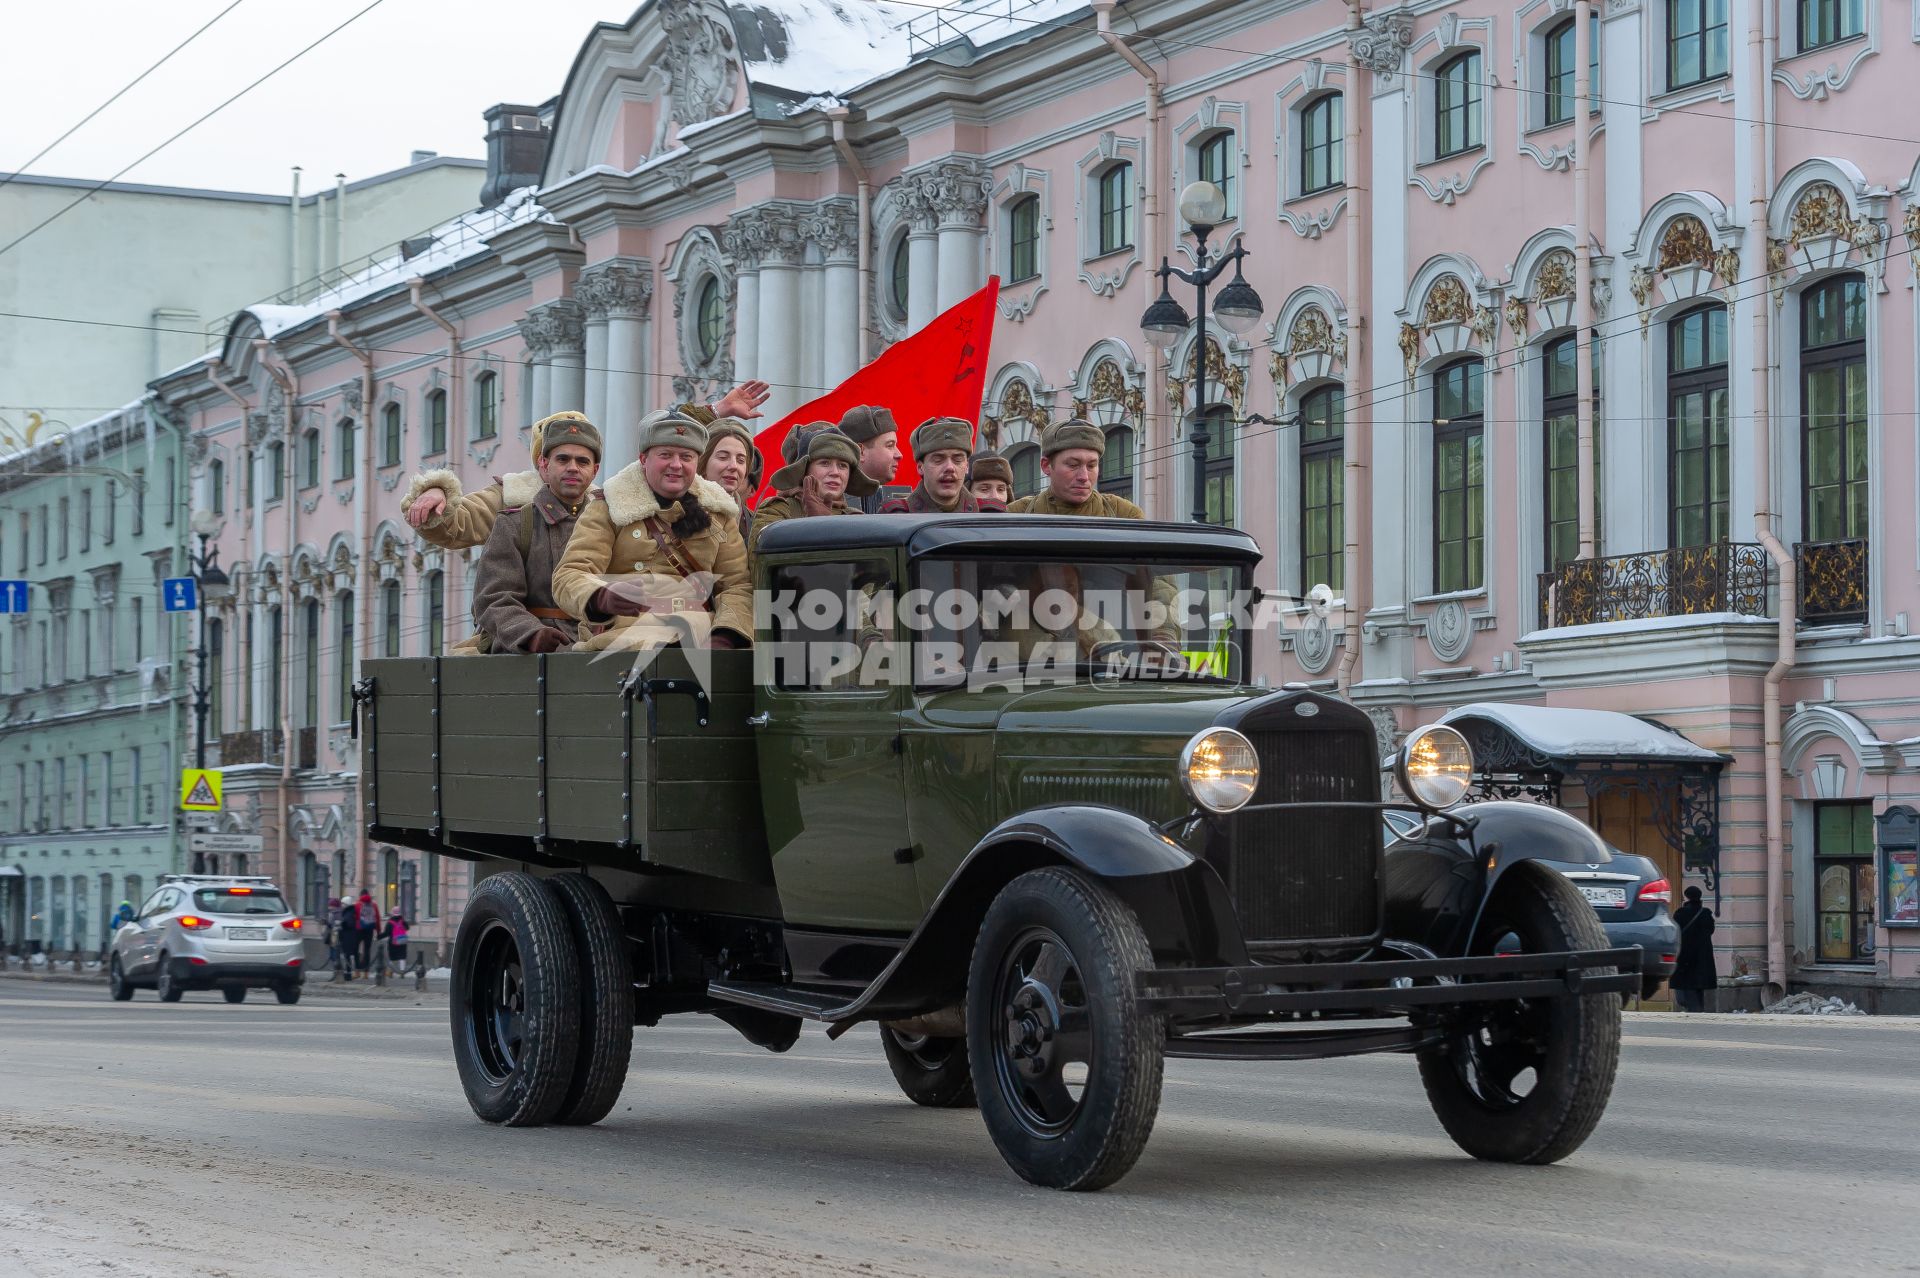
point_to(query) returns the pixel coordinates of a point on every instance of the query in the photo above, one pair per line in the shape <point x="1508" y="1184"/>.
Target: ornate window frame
<point x="1310" y="215"/>
<point x="482" y="449"/>
<point x="1300" y="360"/>
<point x="1005" y="426"/>
<point x="1842" y="57"/>
<point x="696" y="259"/>
<point x="1426" y="169"/>
<point x="1229" y="373"/>
<point x="1662" y="96"/>
<point x="1020" y="182"/>
<point x="892" y="224"/>
<point x="1534" y="25"/>
<point x="1212" y="117"/>
<point x="1105" y="274"/>
<point x="1129" y="407"/>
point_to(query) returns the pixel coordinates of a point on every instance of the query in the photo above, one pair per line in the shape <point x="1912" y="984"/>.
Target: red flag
<point x="941" y="371"/>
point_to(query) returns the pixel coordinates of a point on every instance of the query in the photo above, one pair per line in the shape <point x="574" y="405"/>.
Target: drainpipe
<point x="1760" y="70"/>
<point x="243" y="571"/>
<point x="1156" y="397"/>
<point x="456" y="406"/>
<point x="1583" y="286"/>
<point x="838" y="115"/>
<point x="290" y="391"/>
<point x="363" y="516"/>
<point x="1357" y="460"/>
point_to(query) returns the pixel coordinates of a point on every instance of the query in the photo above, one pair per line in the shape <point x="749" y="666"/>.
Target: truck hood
<point x="1091" y="711"/>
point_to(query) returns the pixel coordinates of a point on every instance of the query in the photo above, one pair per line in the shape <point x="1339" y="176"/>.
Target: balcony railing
<point x="263" y="746"/>
<point x="1832" y="579"/>
<point x="1683" y="581"/>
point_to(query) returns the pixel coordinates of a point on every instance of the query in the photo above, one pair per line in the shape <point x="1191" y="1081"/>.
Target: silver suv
<point x="200" y="933"/>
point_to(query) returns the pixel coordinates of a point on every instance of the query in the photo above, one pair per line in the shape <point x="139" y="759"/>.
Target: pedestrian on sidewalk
<point x="347" y="936"/>
<point x="366" y="925"/>
<point x="1694" y="972"/>
<point x="331" y="932"/>
<point x="395" y="935"/>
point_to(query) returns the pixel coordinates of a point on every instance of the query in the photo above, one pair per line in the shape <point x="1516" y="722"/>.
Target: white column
<point x="540" y="400"/>
<point x="566" y="384"/>
<point x="923" y="267"/>
<point x="626" y="332"/>
<point x="746" y="325"/>
<point x="779" y="310"/>
<point x="813" y="306"/>
<point x="961" y="257"/>
<point x="594" y="394"/>
<point x="620" y="288"/>
<point x="840" y="345"/>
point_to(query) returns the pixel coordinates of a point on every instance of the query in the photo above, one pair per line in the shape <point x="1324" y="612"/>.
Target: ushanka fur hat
<point x="990" y="466"/>
<point x="670" y="428"/>
<point x="867" y="422"/>
<point x="937" y="433"/>
<point x="565" y="428"/>
<point x="1072" y="433"/>
<point x="823" y="444"/>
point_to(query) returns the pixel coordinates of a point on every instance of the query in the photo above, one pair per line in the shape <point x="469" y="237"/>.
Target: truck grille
<point x="1309" y="874"/>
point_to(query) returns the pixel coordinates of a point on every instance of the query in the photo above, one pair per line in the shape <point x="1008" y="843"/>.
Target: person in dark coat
<point x="1693" y="972"/>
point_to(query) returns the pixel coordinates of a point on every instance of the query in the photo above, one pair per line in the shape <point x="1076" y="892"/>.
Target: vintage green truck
<point x="1038" y="887"/>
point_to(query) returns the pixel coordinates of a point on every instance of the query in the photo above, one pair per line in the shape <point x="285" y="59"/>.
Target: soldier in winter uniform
<point x="513" y="604"/>
<point x="941" y="446"/>
<point x="1070" y="453"/>
<point x="660" y="555"/>
<point x="874" y="432"/>
<point x="448" y="518"/>
<point x="815" y="483"/>
<point x="990" y="480"/>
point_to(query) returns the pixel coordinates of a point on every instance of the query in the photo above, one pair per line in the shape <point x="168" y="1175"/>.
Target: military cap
<point x="1073" y="433"/>
<point x="565" y="428"/>
<point x="825" y="443"/>
<point x="666" y="427"/>
<point x="867" y="422"/>
<point x="937" y="433"/>
<point x="991" y="466"/>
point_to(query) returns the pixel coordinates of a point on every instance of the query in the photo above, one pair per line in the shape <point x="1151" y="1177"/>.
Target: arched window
<point x="390" y="618"/>
<point x="310" y="459"/>
<point x="1221" y="445"/>
<point x="1559" y="419"/>
<point x="390" y="435"/>
<point x="1116" y="208"/>
<point x="899" y="276"/>
<point x="436" y="424"/>
<point x="216" y="487"/>
<point x="311" y="903"/>
<point x="1023" y="240"/>
<point x="1457" y="93"/>
<point x="1025" y="461"/>
<point x="1459" y="477"/>
<point x="276" y="661"/>
<point x="1323" y="523"/>
<point x="711" y="316"/>
<point x="1116" y="462"/>
<point x="486" y="406"/>
<point x="343" y="443"/>
<point x="276" y="470"/>
<point x="344" y="656"/>
<point x="1322" y="144"/>
<point x="1216" y="164"/>
<point x="1833" y="409"/>
<point x="436" y="591"/>
<point x="1699" y="486"/>
<point x="310" y="658"/>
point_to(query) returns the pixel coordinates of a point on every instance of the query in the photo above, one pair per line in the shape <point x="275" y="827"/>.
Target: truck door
<point x="832" y="780"/>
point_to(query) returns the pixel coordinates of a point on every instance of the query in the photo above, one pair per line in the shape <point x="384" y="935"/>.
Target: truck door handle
<point x="760" y="720"/>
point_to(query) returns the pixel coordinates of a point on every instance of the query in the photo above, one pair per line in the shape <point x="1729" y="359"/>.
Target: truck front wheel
<point x="931" y="1071"/>
<point x="1066" y="1065"/>
<point x="514" y="1001"/>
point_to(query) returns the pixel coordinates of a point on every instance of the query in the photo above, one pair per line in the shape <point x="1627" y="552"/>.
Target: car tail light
<point x="194" y="923"/>
<point x="293" y="962"/>
<point x="1658" y="890"/>
<point x="1668" y="958"/>
<point x="292" y="925"/>
<point x="239" y="891"/>
<point x="197" y="962"/>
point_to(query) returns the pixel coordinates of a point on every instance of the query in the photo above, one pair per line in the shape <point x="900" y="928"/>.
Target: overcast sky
<point x="409" y="75"/>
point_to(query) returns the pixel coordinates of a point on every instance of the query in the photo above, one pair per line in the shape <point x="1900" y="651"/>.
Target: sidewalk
<point x="318" y="984"/>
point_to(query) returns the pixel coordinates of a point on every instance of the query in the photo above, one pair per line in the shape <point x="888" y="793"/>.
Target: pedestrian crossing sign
<point x="199" y="790"/>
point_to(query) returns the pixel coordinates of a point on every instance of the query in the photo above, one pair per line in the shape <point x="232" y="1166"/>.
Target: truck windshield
<point x="1035" y="621"/>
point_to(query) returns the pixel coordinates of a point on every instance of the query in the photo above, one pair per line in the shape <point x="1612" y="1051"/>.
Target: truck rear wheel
<point x="605" y="996"/>
<point x="1066" y="1065"/>
<point x="1526" y="1081"/>
<point x="514" y="1001"/>
<point x="931" y="1071"/>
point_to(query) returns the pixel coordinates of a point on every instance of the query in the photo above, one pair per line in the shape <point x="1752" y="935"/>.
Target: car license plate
<point x="246" y="934"/>
<point x="1605" y="898"/>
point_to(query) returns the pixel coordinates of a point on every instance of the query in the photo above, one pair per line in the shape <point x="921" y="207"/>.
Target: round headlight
<point x="1219" y="770"/>
<point x="1435" y="767"/>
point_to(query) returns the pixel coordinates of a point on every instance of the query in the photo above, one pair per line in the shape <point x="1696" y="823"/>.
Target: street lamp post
<point x="1204" y="206"/>
<point x="212" y="585"/>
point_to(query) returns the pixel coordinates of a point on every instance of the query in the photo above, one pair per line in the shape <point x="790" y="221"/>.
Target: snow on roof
<point x="69" y="443"/>
<point x="1585" y="734"/>
<point x="985" y="22"/>
<point x="820" y="46"/>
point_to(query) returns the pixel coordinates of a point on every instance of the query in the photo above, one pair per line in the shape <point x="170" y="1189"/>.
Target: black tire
<point x="931" y="1071"/>
<point x="287" y="993"/>
<point x="605" y="997"/>
<point x="1477" y="1080"/>
<point x="513" y="1003"/>
<point x="164" y="985"/>
<point x="1051" y="985"/>
<point x="235" y="994"/>
<point x="118" y="986"/>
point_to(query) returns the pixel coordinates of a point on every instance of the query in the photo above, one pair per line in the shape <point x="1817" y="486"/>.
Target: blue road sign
<point x="180" y="594"/>
<point x="13" y="596"/>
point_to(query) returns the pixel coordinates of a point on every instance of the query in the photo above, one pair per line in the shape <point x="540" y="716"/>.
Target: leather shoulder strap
<point x="669" y="545"/>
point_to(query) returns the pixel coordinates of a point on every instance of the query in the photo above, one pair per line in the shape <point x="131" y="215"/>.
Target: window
<point x="1698" y="428"/>
<point x="899" y="277"/>
<point x="390" y="435"/>
<point x="1833" y="409"/>
<point x="436" y="424"/>
<point x="1023" y="240"/>
<point x="1219" y="482"/>
<point x="310" y="459"/>
<point x="1116" y="462"/>
<point x="344" y="656"/>
<point x="1217" y="162"/>
<point x="711" y="318"/>
<point x="1322" y="144"/>
<point x="1323" y="522"/>
<point x="1116" y="209"/>
<point x="1844" y="881"/>
<point x="86" y="791"/>
<point x="390" y="618"/>
<point x="1456" y="106"/>
<point x="66" y="527"/>
<point x="1026" y="470"/>
<point x="310" y="684"/>
<point x="86" y="519"/>
<point x="436" y="586"/>
<point x="1696" y="41"/>
<point x="1558" y="99"/>
<point x="45" y="533"/>
<point x="1459" y="465"/>
<point x="106" y="792"/>
<point x="433" y="886"/>
<point x="390" y="879"/>
<point x="26" y="539"/>
<point x="276" y="471"/>
<point x="1560" y="449"/>
<point x="246" y="471"/>
<point x="86" y="643"/>
<point x="169" y="496"/>
<point x="343" y="445"/>
<point x="802" y="638"/>
<point x="486" y="406"/>
<point x="216" y="674"/>
<point x="1824" y="22"/>
<point x="217" y="486"/>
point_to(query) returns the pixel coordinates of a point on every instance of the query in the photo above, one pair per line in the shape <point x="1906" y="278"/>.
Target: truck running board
<point x="770" y="996"/>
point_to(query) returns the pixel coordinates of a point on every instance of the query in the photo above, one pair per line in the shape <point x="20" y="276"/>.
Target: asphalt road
<point x="332" y="1138"/>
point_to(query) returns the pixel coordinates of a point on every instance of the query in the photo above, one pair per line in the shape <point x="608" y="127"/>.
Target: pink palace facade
<point x="1707" y="532"/>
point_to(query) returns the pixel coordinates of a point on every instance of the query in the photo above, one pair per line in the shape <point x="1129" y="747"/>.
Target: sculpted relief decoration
<point x="701" y="62"/>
